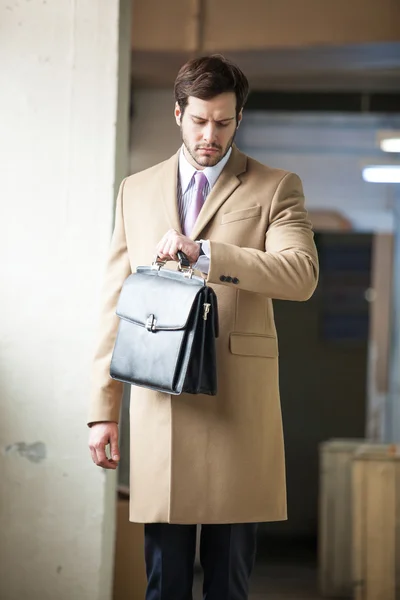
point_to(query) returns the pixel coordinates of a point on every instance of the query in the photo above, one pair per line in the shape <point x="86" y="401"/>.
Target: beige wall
<point x="155" y="135"/>
<point x="58" y="107"/>
<point x="289" y="23"/>
<point x="160" y="25"/>
<point x="226" y="25"/>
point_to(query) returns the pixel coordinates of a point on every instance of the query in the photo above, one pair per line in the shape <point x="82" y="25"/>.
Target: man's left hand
<point x="172" y="242"/>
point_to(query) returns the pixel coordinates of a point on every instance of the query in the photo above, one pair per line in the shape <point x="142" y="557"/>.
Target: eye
<point x="198" y="122"/>
<point x="223" y="124"/>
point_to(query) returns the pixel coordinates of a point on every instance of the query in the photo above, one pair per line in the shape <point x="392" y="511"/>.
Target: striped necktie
<point x="196" y="204"/>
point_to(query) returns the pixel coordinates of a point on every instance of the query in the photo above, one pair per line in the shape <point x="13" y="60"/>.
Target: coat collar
<point x="227" y="182"/>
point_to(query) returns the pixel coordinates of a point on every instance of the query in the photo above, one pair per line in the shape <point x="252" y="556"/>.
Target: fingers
<point x="161" y="245"/>
<point x="101" y="454"/>
<point x="93" y="455"/>
<point x="114" y="448"/>
<point x="168" y="252"/>
<point x="99" y="457"/>
<point x="168" y="246"/>
<point x="100" y="437"/>
<point x="172" y="242"/>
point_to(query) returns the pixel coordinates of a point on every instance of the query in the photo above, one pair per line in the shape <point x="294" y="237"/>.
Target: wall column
<point x="60" y="68"/>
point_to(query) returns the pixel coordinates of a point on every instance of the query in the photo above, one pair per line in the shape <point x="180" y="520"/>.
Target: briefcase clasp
<point x="186" y="271"/>
<point x="151" y="323"/>
<point x="206" y="310"/>
<point x="158" y="264"/>
<point x="184" y="266"/>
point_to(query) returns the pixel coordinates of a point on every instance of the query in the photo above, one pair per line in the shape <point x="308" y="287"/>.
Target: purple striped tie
<point x="196" y="204"/>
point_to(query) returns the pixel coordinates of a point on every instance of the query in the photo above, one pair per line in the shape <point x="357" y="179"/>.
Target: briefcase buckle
<point x="158" y="264"/>
<point x="151" y="323"/>
<point x="184" y="266"/>
<point x="186" y="271"/>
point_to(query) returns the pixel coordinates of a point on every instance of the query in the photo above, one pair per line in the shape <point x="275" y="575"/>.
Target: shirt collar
<point x="186" y="170"/>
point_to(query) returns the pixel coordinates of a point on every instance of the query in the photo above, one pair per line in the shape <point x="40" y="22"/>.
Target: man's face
<point x="208" y="128"/>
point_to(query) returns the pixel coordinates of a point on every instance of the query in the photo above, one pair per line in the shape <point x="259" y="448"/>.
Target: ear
<point x="239" y="119"/>
<point x="178" y="114"/>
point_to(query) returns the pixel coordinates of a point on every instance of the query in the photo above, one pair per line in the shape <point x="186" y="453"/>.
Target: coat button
<point x="222" y="278"/>
<point x="235" y="280"/>
<point x="228" y="279"/>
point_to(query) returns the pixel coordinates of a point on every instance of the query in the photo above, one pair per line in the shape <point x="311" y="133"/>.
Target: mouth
<point x="209" y="150"/>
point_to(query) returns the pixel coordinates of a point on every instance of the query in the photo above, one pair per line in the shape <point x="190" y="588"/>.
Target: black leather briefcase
<point x="167" y="330"/>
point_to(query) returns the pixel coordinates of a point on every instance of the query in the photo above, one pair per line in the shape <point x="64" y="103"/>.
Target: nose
<point x="209" y="133"/>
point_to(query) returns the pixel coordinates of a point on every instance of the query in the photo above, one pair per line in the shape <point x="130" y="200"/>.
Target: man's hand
<point x="102" y="434"/>
<point x="172" y="242"/>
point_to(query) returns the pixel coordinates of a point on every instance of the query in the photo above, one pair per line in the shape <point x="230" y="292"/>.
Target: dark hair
<point x="208" y="76"/>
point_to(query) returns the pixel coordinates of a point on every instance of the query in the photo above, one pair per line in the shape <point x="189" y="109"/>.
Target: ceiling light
<point x="389" y="141"/>
<point x="381" y="173"/>
<point x="391" y="145"/>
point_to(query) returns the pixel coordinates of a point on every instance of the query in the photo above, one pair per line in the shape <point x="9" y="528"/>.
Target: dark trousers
<point x="227" y="554"/>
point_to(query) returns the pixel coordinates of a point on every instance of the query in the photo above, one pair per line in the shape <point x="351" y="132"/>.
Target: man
<point x="215" y="461"/>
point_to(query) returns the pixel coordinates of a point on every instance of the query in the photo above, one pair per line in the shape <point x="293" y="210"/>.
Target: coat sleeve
<point x="288" y="269"/>
<point x="106" y="393"/>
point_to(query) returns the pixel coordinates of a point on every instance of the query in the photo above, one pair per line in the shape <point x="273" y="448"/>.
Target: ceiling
<point x="362" y="68"/>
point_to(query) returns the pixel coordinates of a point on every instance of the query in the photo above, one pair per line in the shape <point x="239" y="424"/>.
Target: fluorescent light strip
<point x="381" y="174"/>
<point x="390" y="144"/>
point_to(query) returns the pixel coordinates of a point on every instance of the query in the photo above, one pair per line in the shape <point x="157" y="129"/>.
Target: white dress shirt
<point x="186" y="185"/>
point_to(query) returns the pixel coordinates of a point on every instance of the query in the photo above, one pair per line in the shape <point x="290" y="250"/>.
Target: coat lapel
<point x="169" y="192"/>
<point x="227" y="182"/>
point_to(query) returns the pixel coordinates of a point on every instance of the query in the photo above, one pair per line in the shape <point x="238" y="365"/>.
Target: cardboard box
<point x="335" y="514"/>
<point x="376" y="525"/>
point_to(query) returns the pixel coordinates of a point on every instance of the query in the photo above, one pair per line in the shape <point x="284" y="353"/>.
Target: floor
<point x="282" y="572"/>
<point x="285" y="582"/>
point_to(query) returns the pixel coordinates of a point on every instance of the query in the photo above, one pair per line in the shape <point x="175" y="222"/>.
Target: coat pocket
<point x="250" y="344"/>
<point x="240" y="215"/>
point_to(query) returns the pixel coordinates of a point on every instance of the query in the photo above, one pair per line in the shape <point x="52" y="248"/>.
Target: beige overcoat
<point x="212" y="459"/>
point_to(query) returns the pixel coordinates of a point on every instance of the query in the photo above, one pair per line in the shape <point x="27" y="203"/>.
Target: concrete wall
<point x="58" y="107"/>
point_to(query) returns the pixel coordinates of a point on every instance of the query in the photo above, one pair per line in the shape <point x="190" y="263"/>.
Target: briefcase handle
<point x="183" y="260"/>
<point x="183" y="266"/>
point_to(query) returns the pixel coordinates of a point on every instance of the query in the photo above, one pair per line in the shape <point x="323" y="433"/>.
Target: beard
<point x="207" y="161"/>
